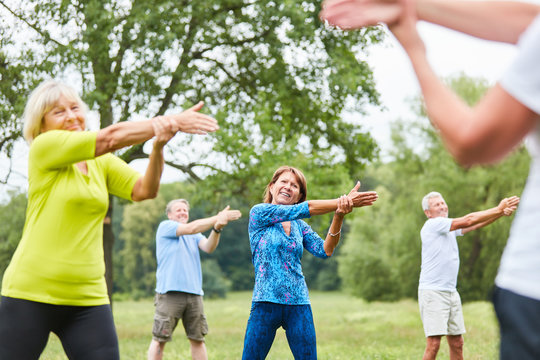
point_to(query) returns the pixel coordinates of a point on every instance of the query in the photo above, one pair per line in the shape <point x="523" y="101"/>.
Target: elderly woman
<point x="278" y="238"/>
<point x="55" y="281"/>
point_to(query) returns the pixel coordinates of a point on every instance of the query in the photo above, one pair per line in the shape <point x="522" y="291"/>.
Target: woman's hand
<point x="192" y="121"/>
<point x="404" y="28"/>
<point x="356" y="14"/>
<point x="360" y="199"/>
<point x="163" y="130"/>
<point x="344" y="205"/>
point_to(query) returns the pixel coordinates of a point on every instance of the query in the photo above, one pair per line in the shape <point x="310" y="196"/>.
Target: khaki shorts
<point x="173" y="306"/>
<point x="441" y="312"/>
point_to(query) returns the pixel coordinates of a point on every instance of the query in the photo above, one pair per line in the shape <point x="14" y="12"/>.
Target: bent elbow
<point x="144" y="195"/>
<point x="151" y="195"/>
<point x="466" y="150"/>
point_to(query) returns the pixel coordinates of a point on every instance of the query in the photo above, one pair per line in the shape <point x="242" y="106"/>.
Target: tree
<point x="138" y="257"/>
<point x="381" y="257"/>
<point x="271" y="73"/>
<point x="12" y="217"/>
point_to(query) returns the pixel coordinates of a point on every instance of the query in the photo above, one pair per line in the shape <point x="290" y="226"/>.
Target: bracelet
<point x="336" y="234"/>
<point x="216" y="230"/>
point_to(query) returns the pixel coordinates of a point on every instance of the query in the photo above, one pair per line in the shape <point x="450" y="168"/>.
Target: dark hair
<point x="299" y="177"/>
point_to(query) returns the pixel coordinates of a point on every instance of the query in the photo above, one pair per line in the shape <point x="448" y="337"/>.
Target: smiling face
<point x="286" y="189"/>
<point x="66" y="114"/>
<point x="437" y="208"/>
<point x="179" y="212"/>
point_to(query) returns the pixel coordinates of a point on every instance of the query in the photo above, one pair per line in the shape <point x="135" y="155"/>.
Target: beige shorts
<point x="173" y="306"/>
<point x="441" y="312"/>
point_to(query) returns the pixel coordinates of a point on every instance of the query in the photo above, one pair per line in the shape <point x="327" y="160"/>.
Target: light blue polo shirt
<point x="178" y="260"/>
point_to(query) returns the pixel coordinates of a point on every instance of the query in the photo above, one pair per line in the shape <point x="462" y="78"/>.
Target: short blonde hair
<point x="41" y="101"/>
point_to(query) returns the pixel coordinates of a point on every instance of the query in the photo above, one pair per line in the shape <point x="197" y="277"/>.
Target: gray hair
<point x="425" y="200"/>
<point x="172" y="202"/>
<point x="41" y="101"/>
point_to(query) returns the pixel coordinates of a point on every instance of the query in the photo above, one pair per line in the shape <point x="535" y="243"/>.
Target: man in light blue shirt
<point x="179" y="276"/>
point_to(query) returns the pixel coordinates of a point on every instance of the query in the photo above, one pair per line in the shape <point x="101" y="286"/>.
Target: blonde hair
<point x="267" y="198"/>
<point x="41" y="101"/>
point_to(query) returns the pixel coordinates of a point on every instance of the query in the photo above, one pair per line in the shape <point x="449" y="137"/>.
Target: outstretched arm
<point x="217" y="222"/>
<point x="480" y="219"/>
<point x="201" y="225"/>
<point x="482" y="134"/>
<point x="221" y="220"/>
<point x="502" y="21"/>
<point x="359" y="199"/>
<point x="128" y="133"/>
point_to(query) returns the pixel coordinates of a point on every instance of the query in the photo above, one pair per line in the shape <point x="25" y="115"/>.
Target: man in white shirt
<point x="438" y="299"/>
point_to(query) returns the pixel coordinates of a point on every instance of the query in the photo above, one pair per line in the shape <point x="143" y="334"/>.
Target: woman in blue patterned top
<point x="278" y="238"/>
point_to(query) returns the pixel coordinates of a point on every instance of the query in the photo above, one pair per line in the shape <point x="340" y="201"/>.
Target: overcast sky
<point x="449" y="52"/>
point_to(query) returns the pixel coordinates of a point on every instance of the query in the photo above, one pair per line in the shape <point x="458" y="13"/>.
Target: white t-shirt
<point x="519" y="270"/>
<point x="440" y="255"/>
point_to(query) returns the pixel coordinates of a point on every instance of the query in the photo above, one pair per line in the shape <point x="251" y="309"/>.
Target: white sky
<point x="449" y="53"/>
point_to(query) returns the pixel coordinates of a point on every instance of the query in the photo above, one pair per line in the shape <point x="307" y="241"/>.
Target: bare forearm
<point x="502" y="21"/>
<point x="481" y="225"/>
<point x="448" y="113"/>
<point x="123" y="134"/>
<point x="475" y="219"/>
<point x="196" y="226"/>
<point x="334" y="234"/>
<point x="149" y="183"/>
<point x="210" y="244"/>
<point x="472" y="135"/>
<point x="319" y="207"/>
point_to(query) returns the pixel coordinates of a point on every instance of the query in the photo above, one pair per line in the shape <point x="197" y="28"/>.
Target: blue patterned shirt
<point x="276" y="256"/>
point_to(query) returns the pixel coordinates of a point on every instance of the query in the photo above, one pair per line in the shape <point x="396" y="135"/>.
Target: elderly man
<point x="438" y="299"/>
<point x="179" y="277"/>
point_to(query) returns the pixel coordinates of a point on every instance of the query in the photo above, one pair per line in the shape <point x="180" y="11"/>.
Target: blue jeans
<point x="265" y="318"/>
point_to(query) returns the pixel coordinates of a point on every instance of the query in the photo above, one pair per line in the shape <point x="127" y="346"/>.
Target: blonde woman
<point x="55" y="280"/>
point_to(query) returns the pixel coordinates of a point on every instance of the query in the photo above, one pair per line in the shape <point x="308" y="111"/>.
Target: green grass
<point x="347" y="328"/>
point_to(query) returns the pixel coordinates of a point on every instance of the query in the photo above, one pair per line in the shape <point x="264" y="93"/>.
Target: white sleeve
<point x="439" y="225"/>
<point x="522" y="79"/>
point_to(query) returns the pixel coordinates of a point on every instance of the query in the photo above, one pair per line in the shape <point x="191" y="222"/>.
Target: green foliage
<point x="270" y="71"/>
<point x="382" y="254"/>
<point x="137" y="258"/>
<point x="215" y="285"/>
<point x="12" y="216"/>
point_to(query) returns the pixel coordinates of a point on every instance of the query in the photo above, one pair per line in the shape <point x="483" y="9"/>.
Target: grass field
<point x="347" y="328"/>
